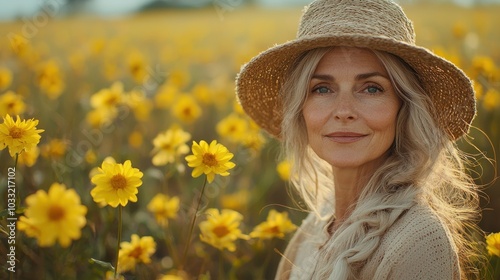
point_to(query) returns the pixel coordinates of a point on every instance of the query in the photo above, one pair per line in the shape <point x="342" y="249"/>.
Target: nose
<point x="344" y="107"/>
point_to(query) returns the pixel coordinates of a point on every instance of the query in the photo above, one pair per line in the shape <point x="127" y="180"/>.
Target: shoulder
<point x="417" y="246"/>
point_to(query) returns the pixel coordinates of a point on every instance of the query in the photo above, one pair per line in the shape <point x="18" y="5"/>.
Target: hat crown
<point x="374" y="18"/>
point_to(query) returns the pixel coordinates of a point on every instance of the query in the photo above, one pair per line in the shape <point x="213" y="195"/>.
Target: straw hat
<point x="374" y="24"/>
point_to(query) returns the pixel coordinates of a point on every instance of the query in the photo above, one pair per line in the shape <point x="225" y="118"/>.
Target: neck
<point x="349" y="183"/>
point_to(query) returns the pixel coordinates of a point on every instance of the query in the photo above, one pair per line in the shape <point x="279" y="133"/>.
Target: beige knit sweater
<point x="417" y="246"/>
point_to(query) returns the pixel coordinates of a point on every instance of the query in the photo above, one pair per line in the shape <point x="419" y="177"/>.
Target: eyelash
<point x="379" y="88"/>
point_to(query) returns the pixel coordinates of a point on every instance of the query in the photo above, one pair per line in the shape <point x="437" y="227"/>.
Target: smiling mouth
<point x="345" y="137"/>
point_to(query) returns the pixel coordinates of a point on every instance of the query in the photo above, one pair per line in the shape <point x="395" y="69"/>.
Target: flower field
<point x="126" y="155"/>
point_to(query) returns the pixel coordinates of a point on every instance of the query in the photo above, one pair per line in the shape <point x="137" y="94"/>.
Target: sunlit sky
<point x="25" y="8"/>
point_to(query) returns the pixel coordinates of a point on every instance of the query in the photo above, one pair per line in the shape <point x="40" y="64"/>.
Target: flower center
<point x="118" y="182"/>
<point x="274" y="230"/>
<point x="16" y="132"/>
<point x="220" y="231"/>
<point x="209" y="159"/>
<point x="187" y="112"/>
<point x="112" y="100"/>
<point x="136" y="253"/>
<point x="167" y="146"/>
<point x="56" y="213"/>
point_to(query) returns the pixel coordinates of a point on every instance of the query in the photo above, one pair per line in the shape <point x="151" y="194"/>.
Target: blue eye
<point x="373" y="89"/>
<point x="321" y="90"/>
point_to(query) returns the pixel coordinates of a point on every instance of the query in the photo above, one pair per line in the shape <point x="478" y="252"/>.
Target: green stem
<point x="221" y="265"/>
<point x="119" y="237"/>
<point x="170" y="247"/>
<point x="193" y="222"/>
<point x="496" y="272"/>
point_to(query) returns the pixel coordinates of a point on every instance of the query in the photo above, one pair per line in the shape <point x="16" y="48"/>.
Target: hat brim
<point x="259" y="82"/>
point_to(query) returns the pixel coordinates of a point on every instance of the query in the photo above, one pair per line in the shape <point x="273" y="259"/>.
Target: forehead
<point x="349" y="57"/>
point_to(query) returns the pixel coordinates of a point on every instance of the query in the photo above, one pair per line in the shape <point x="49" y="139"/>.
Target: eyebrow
<point x="363" y="76"/>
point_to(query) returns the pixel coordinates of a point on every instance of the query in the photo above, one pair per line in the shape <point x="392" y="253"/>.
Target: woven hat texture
<point x="374" y="24"/>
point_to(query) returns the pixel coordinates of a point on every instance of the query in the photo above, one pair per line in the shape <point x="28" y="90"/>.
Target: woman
<point x="369" y="121"/>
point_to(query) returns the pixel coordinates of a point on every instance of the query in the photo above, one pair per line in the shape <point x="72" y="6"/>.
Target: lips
<point x="345" y="137"/>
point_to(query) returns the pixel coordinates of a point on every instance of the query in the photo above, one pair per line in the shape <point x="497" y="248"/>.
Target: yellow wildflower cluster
<point x="221" y="229"/>
<point x="54" y="149"/>
<point x="210" y="159"/>
<point x="169" y="145"/>
<point x="239" y="128"/>
<point x="5" y="78"/>
<point x="164" y="208"/>
<point x="276" y="226"/>
<point x="11" y="104"/>
<point x="138" y="250"/>
<point x="19" y="135"/>
<point x="50" y="80"/>
<point x="53" y="216"/>
<point x="121" y="88"/>
<point x="116" y="183"/>
<point x="493" y="244"/>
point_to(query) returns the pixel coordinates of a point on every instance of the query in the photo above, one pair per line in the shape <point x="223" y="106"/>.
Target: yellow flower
<point x="101" y="116"/>
<point x="221" y="230"/>
<point x="90" y="156"/>
<point x="5" y="78"/>
<point x="483" y="65"/>
<point x="169" y="145"/>
<point x="171" y="277"/>
<point x="19" y="44"/>
<point x="135" y="139"/>
<point x="493" y="244"/>
<point x="108" y="98"/>
<point x="166" y="95"/>
<point x="164" y="208"/>
<point x="138" y="250"/>
<point x="96" y="170"/>
<point x="29" y="156"/>
<point x="55" y="149"/>
<point x="49" y="79"/>
<point x="116" y="183"/>
<point x="210" y="160"/>
<point x="12" y="104"/>
<point x="491" y="99"/>
<point x="233" y="127"/>
<point x="110" y="275"/>
<point x="19" y="135"/>
<point x="203" y="94"/>
<point x="235" y="201"/>
<point x="254" y="141"/>
<point x="140" y="105"/>
<point x="277" y="225"/>
<point x="478" y="89"/>
<point x="459" y="30"/>
<point x="283" y="169"/>
<point x="186" y="109"/>
<point x="179" y="77"/>
<point x="54" y="216"/>
<point x="137" y="67"/>
<point x="174" y="275"/>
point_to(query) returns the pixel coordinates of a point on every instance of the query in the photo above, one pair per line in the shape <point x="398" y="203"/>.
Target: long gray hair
<point x="424" y="166"/>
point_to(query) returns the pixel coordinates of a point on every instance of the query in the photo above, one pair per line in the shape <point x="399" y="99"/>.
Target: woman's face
<point x="351" y="109"/>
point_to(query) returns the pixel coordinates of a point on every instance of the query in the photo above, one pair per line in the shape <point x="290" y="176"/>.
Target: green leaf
<point x="106" y="265"/>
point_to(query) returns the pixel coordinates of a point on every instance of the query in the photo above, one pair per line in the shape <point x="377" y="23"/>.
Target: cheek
<point x="313" y="118"/>
<point x="385" y="123"/>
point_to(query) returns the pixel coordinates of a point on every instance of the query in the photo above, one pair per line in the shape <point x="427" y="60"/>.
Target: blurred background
<point x="170" y="64"/>
<point x="15" y="9"/>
